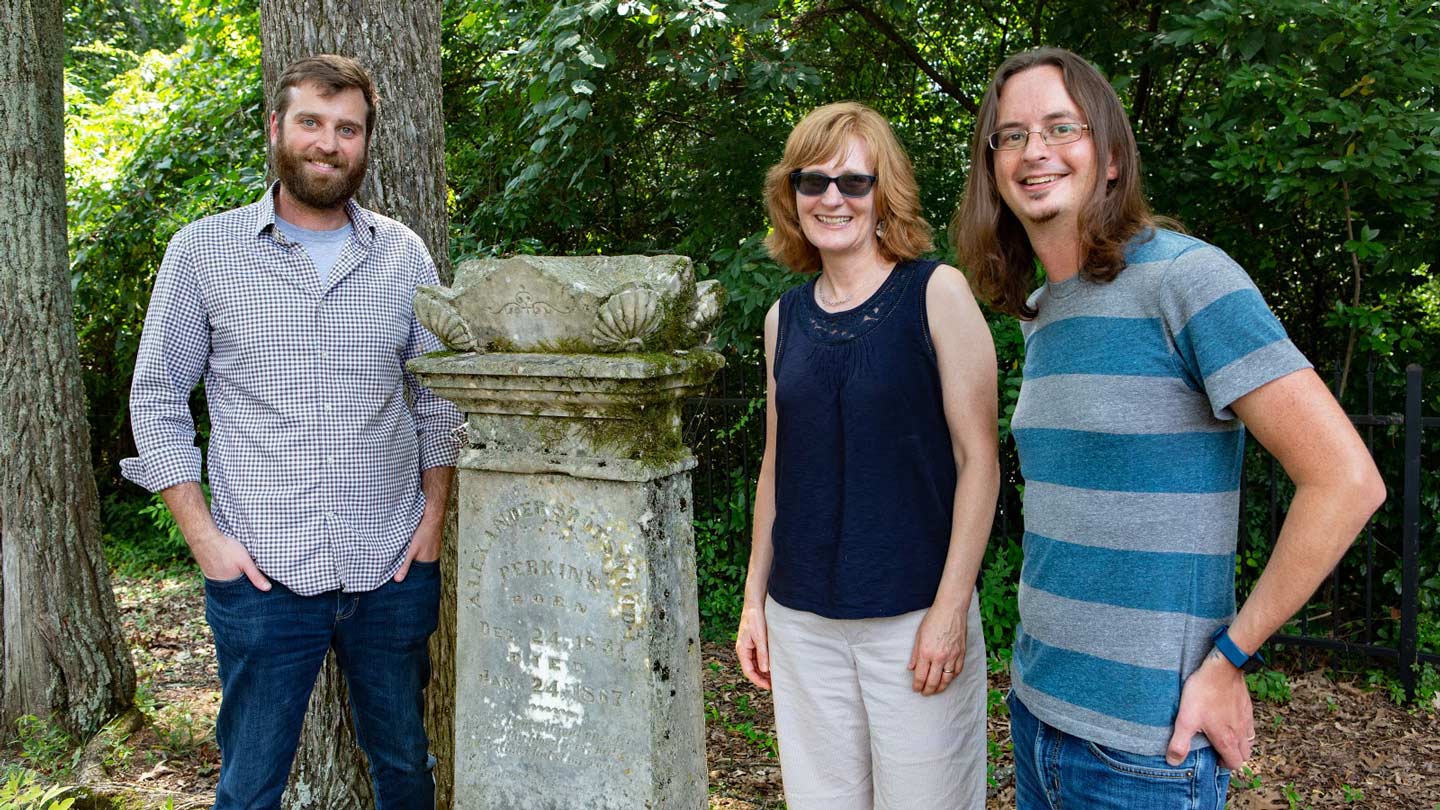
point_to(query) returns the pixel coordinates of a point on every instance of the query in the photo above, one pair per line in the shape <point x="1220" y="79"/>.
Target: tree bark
<point x="399" y="43"/>
<point x="65" y="656"/>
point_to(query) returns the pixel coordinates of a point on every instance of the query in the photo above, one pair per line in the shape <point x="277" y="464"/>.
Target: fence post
<point x="1410" y="537"/>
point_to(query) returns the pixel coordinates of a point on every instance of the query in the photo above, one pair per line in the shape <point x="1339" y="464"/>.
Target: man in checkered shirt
<point x="329" y="465"/>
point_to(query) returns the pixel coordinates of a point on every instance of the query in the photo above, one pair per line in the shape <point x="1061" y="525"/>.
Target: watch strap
<point x="1239" y="658"/>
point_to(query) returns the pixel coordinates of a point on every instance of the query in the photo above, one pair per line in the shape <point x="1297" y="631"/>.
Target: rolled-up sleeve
<point x="174" y="347"/>
<point x="436" y="418"/>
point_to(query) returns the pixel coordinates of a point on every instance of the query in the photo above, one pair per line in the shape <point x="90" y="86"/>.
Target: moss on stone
<point x="641" y="425"/>
<point x="640" y="422"/>
<point x="565" y="346"/>
<point x="674" y="331"/>
<point x="638" y="428"/>
<point x="502" y="345"/>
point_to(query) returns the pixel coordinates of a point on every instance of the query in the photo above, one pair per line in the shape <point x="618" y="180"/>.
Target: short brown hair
<point x="332" y="72"/>
<point x="991" y="242"/>
<point x="825" y="134"/>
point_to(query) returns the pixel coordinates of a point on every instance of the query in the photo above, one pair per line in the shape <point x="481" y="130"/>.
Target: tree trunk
<point x="65" y="656"/>
<point x="399" y="43"/>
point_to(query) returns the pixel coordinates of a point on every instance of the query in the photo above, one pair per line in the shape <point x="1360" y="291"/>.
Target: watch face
<point x="1252" y="664"/>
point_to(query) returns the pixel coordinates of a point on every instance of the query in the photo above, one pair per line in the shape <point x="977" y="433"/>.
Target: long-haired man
<point x="1147" y="355"/>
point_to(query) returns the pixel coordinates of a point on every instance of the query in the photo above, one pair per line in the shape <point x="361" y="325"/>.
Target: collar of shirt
<point x="265" y="218"/>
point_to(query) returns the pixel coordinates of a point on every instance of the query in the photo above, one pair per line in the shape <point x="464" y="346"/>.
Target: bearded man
<point x="329" y="465"/>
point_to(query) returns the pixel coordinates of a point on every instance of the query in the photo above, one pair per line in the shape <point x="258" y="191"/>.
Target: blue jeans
<point x="1056" y="771"/>
<point x="270" y="647"/>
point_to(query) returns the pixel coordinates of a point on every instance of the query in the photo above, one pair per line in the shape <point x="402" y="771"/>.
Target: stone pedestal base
<point x="578" y="644"/>
<point x="577" y="641"/>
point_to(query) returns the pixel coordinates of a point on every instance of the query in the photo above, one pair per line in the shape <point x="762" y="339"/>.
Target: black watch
<point x="1246" y="663"/>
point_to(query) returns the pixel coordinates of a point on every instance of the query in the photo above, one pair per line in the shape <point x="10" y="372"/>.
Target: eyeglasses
<point x="1064" y="132"/>
<point x="813" y="184"/>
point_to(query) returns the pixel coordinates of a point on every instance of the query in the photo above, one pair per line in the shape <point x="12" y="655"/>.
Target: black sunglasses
<point x="813" y="184"/>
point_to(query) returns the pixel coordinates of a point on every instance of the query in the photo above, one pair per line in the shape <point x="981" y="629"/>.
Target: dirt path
<point x="1332" y="745"/>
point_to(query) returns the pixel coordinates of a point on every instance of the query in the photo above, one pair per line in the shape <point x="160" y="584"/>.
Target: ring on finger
<point x="948" y="671"/>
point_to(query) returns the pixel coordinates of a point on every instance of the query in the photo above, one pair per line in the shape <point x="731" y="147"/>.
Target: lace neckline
<point x="848" y="324"/>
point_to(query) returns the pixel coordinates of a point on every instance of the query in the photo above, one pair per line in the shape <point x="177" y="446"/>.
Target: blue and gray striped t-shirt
<point x="1132" y="459"/>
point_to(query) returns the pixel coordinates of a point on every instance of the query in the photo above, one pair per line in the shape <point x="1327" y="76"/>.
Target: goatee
<point x="313" y="189"/>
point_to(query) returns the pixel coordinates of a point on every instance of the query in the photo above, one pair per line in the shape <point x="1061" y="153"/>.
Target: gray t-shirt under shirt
<point x="323" y="247"/>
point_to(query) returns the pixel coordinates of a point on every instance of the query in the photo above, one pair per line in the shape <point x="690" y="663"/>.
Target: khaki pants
<point x="854" y="735"/>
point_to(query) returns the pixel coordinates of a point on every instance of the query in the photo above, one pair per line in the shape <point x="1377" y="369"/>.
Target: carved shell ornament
<point x="709" y="298"/>
<point x="435" y="309"/>
<point x="627" y="318"/>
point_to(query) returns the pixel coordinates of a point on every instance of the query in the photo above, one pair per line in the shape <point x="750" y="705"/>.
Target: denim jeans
<point x="270" y="646"/>
<point x="1057" y="771"/>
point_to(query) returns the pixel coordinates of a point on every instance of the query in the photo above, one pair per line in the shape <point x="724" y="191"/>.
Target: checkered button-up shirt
<point x="315" y="452"/>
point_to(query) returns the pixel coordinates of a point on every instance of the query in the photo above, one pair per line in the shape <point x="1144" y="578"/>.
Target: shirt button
<point x="329" y="407"/>
<point x="329" y="459"/>
<point x="324" y="354"/>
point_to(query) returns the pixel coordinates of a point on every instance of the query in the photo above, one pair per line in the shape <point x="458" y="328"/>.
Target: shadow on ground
<point x="1332" y="745"/>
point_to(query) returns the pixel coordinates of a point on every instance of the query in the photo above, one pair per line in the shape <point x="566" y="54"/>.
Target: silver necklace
<point x="837" y="302"/>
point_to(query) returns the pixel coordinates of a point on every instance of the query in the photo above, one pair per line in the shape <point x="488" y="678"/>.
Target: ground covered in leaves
<point x="1331" y="744"/>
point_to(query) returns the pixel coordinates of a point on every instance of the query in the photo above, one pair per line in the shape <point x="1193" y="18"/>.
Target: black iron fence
<point x="1348" y="615"/>
<point x="1370" y="605"/>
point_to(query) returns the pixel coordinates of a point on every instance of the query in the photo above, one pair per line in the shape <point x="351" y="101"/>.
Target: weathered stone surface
<point x="603" y="416"/>
<point x="578" y="657"/>
<point x="578" y="664"/>
<point x="572" y="304"/>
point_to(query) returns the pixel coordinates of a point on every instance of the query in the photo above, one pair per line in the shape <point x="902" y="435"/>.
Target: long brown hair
<point x="991" y="242"/>
<point x="824" y="134"/>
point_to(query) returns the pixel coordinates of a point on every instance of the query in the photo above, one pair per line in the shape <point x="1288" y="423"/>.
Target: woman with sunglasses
<point x="877" y="486"/>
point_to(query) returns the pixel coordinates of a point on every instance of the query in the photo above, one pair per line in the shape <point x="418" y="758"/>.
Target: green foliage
<point x="732" y="711"/>
<point x="141" y="536"/>
<point x="1299" y="135"/>
<point x="1010" y="357"/>
<point x="1376" y="328"/>
<point x="106" y="38"/>
<point x="1269" y="686"/>
<point x="999" y="587"/>
<point x="995" y="751"/>
<point x="1429" y="605"/>
<point x="22" y="789"/>
<point x="44" y="745"/>
<point x="1247" y="779"/>
<point x="721" y="561"/>
<point x="1427" y="686"/>
<point x="592" y="114"/>
<point x="173" y="138"/>
<point x="182" y="731"/>
<point x="995" y="705"/>
<point x="755" y="283"/>
<point x="722" y="531"/>
<point x="1292" y="798"/>
<point x="1322" y="132"/>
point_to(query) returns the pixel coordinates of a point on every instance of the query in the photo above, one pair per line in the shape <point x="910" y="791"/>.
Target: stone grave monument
<point x="578" y="647"/>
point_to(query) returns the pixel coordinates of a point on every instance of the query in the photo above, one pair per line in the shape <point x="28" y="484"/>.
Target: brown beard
<point x="317" y="191"/>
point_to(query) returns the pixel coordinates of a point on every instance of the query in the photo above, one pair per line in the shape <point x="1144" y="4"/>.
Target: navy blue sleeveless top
<point x="864" y="471"/>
